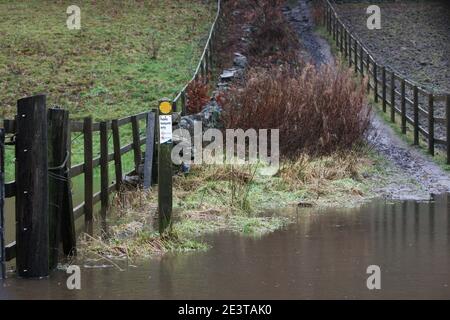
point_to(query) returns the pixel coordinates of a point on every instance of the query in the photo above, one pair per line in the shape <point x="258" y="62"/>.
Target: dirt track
<point x="412" y="175"/>
<point x="316" y="48"/>
<point x="414" y="38"/>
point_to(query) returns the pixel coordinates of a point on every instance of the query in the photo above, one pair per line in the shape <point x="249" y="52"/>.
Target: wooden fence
<point x="205" y="64"/>
<point x="2" y="199"/>
<point x="38" y="139"/>
<point x="428" y="113"/>
<point x="45" y="216"/>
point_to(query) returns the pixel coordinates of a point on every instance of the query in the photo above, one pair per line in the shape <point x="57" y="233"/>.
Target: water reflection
<point x="322" y="255"/>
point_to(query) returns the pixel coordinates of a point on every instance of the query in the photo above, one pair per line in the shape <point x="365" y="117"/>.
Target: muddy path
<point x="316" y="49"/>
<point x="414" y="38"/>
<point x="414" y="41"/>
<point x="412" y="175"/>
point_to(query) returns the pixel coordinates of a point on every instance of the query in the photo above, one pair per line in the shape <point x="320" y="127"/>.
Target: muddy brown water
<point x="321" y="255"/>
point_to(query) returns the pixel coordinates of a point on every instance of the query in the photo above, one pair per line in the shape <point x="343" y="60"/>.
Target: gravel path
<point x="411" y="174"/>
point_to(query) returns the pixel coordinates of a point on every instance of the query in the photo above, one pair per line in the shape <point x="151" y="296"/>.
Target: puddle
<point x="322" y="255"/>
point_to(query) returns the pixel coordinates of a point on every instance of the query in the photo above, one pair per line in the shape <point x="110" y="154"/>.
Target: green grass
<point x="105" y="69"/>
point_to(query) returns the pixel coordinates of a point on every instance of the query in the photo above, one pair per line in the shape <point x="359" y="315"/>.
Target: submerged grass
<point x="239" y="199"/>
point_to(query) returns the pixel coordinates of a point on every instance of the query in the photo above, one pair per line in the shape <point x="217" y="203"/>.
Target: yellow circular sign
<point x="165" y="107"/>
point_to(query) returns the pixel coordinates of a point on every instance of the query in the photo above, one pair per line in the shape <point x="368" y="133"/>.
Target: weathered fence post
<point x="336" y="27"/>
<point x="330" y="29"/>
<point x="174" y="106"/>
<point x="416" y="114"/>
<point x="393" y="96"/>
<point x="88" y="176"/>
<point x="117" y="154"/>
<point x="32" y="230"/>
<point x="383" y="79"/>
<point x="447" y="117"/>
<point x="345" y="44"/>
<point x="431" y="124"/>
<point x="164" y="164"/>
<point x="104" y="174"/>
<point x="2" y="204"/>
<point x="136" y="144"/>
<point x="211" y="54"/>
<point x="333" y="26"/>
<point x="58" y="153"/>
<point x="206" y="63"/>
<point x="375" y="81"/>
<point x="203" y="70"/>
<point x="361" y="59"/>
<point x="183" y="103"/>
<point x="149" y="148"/>
<point x="403" y="105"/>
<point x="368" y="72"/>
<point x="349" y="50"/>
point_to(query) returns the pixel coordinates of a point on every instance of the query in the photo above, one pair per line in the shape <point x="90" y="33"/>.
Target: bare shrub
<point x="274" y="42"/>
<point x="318" y="12"/>
<point x="197" y="94"/>
<point x="317" y="111"/>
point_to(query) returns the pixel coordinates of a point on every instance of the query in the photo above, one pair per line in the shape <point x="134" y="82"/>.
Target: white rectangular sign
<point x="165" y="129"/>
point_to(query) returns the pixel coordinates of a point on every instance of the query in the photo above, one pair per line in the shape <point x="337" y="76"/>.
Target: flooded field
<point x="322" y="255"/>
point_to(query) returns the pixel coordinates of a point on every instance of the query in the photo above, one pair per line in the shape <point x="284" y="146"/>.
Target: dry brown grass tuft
<point x="307" y="170"/>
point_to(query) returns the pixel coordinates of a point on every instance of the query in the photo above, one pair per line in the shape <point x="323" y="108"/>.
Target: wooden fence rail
<point x="31" y="200"/>
<point x="2" y="204"/>
<point x="427" y="112"/>
<point x="205" y="64"/>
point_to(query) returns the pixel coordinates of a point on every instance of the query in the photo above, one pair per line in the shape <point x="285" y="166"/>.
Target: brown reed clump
<point x="317" y="110"/>
<point x="198" y="96"/>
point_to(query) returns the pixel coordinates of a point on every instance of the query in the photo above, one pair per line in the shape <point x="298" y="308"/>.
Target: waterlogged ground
<point x="414" y="39"/>
<point x="321" y="255"/>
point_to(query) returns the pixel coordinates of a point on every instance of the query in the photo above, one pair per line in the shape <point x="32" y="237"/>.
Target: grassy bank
<point x="237" y="199"/>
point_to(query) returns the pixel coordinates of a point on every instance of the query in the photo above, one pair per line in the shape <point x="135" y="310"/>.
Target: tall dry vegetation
<point x="318" y="111"/>
<point x="273" y="41"/>
<point x="198" y="96"/>
<point x="317" y="12"/>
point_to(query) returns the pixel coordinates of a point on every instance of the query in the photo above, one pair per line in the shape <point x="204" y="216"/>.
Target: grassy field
<point x="127" y="55"/>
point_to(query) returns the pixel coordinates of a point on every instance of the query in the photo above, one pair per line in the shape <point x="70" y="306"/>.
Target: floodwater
<point x="321" y="255"/>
